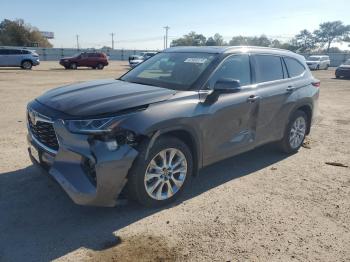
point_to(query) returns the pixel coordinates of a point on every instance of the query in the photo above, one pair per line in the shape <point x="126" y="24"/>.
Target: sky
<point x="140" y="24"/>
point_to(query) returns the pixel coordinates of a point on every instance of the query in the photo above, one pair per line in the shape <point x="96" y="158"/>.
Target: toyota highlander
<point x="149" y="131"/>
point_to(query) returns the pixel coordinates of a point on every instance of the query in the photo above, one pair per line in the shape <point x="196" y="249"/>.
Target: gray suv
<point x="23" y="58"/>
<point x="151" y="130"/>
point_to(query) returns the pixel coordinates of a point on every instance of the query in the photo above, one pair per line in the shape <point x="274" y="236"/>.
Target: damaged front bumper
<point x="87" y="169"/>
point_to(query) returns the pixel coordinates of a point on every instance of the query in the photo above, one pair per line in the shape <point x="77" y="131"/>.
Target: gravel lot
<point x="259" y="206"/>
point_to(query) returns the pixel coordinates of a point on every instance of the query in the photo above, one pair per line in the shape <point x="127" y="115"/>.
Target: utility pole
<point x="112" y="34"/>
<point x="77" y="41"/>
<point x="166" y="35"/>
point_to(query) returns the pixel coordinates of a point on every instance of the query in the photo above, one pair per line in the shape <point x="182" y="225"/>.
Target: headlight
<point x="91" y="126"/>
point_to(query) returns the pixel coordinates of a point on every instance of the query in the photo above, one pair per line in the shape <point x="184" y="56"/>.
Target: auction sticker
<point x="195" y="60"/>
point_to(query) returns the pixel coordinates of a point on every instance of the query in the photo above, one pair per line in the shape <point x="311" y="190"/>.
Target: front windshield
<point x="177" y="71"/>
<point x="314" y="58"/>
<point x="347" y="62"/>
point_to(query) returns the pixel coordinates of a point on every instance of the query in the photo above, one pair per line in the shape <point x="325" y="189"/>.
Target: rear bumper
<point x="88" y="171"/>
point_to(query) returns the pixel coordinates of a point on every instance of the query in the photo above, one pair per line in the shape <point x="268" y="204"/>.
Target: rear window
<point x="267" y="68"/>
<point x="294" y="67"/>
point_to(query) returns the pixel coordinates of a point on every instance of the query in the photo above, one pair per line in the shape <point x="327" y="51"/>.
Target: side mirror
<point x="227" y="85"/>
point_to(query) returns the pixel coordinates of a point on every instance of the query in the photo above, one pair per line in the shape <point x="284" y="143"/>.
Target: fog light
<point x="112" y="145"/>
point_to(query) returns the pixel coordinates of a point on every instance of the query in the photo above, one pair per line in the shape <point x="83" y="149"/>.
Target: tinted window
<point x="26" y="52"/>
<point x="235" y="67"/>
<point x="294" y="67"/>
<point x="3" y="51"/>
<point x="268" y="68"/>
<point x="14" y="52"/>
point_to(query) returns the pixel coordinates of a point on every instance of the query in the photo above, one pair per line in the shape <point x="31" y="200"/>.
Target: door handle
<point x="252" y="98"/>
<point x="290" y="88"/>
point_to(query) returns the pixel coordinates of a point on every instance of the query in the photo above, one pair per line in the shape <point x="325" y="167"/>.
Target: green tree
<point x="191" y="39"/>
<point x="219" y="40"/>
<point x="216" y="40"/>
<point x="248" y="40"/>
<point x="305" y="40"/>
<point x="17" y="33"/>
<point x="210" y="42"/>
<point x="330" y="32"/>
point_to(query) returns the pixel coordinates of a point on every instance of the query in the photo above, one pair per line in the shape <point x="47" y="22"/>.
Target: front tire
<point x="73" y="66"/>
<point x="27" y="65"/>
<point x="295" y="133"/>
<point x="100" y="66"/>
<point x="161" y="177"/>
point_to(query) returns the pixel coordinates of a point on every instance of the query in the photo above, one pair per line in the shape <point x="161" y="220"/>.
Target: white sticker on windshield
<point x="196" y="60"/>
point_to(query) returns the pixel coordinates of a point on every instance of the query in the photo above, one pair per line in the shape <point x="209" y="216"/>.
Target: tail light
<point x="316" y="83"/>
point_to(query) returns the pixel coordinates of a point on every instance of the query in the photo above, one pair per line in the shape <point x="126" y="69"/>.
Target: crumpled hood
<point x="102" y="97"/>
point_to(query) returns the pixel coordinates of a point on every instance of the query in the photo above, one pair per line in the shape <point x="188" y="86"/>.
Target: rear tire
<point x="295" y="133"/>
<point x="27" y="65"/>
<point x="73" y="66"/>
<point x="326" y="67"/>
<point x="153" y="182"/>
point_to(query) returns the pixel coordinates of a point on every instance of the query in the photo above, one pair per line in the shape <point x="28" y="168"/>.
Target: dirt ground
<point x="259" y="206"/>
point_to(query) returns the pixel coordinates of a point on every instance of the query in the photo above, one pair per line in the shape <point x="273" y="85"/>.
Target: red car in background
<point x="95" y="60"/>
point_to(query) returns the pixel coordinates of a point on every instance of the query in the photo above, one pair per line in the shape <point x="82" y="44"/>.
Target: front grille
<point x="44" y="133"/>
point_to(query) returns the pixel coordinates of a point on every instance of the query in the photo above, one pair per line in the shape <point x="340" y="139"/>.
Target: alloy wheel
<point x="297" y="132"/>
<point x="165" y="174"/>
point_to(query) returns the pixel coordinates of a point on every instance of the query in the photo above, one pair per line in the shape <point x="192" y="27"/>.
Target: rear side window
<point x="234" y="67"/>
<point x="294" y="67"/>
<point x="14" y="52"/>
<point x="267" y="68"/>
<point x="3" y="51"/>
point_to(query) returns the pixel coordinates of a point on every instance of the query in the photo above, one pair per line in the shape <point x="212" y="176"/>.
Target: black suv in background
<point x="152" y="129"/>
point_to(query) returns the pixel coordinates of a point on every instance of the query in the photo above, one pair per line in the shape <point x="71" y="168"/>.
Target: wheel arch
<point x="188" y="137"/>
<point x="307" y="109"/>
<point x="26" y="60"/>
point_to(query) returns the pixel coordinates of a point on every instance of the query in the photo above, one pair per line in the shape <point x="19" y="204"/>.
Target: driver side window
<point x="235" y="67"/>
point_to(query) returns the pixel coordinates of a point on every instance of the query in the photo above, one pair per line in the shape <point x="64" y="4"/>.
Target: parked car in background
<point x="147" y="55"/>
<point x="153" y="128"/>
<point x="316" y="62"/>
<point x="134" y="60"/>
<point x="95" y="60"/>
<point x="343" y="70"/>
<point x="13" y="57"/>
